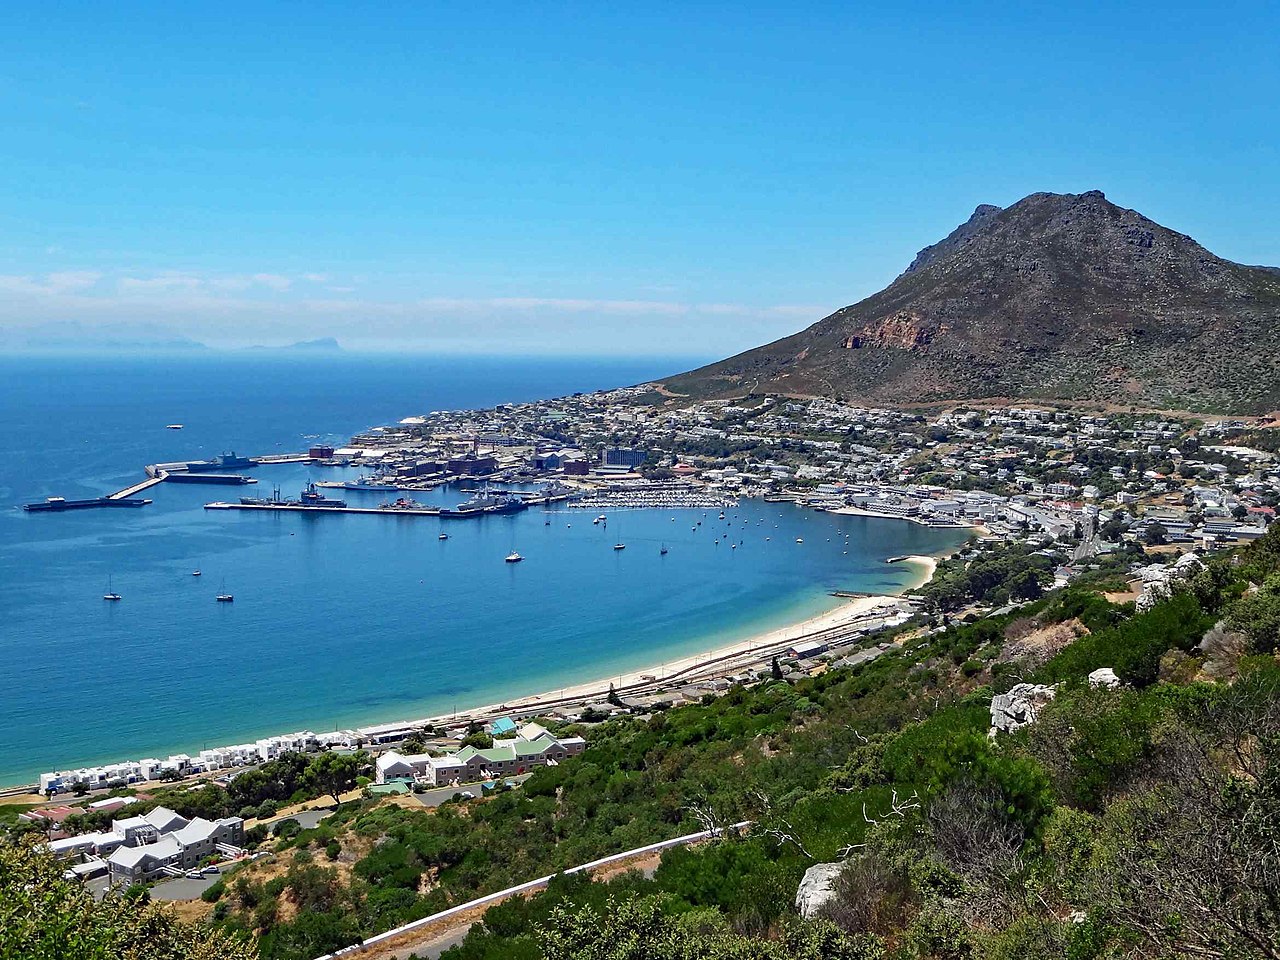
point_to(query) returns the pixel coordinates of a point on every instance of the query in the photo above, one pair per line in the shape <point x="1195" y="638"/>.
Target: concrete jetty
<point x="293" y="508"/>
<point x="138" y="487"/>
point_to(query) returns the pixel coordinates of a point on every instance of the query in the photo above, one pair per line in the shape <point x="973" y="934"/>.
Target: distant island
<point x="319" y="345"/>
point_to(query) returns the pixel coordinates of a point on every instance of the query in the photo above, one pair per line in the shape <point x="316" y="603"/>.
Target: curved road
<point x="445" y="938"/>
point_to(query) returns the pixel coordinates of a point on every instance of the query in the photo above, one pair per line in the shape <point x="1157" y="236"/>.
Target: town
<point x="1087" y="480"/>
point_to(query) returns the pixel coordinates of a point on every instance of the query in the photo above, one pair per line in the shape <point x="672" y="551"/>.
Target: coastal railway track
<point x="715" y="666"/>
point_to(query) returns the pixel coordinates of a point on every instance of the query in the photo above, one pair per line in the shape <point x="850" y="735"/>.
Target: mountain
<point x="1057" y="297"/>
<point x="72" y="336"/>
<point x="319" y="345"/>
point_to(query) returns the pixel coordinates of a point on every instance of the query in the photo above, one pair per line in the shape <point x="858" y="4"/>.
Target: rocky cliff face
<point x="1060" y="296"/>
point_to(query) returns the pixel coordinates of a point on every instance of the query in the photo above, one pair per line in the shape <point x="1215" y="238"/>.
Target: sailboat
<point x="663" y="551"/>
<point x="110" y="594"/>
<point x="513" y="557"/>
<point x="223" y="596"/>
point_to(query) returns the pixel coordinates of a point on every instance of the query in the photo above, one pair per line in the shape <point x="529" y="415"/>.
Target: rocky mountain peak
<point x="1059" y="295"/>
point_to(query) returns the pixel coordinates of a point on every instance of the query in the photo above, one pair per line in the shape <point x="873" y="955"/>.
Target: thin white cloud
<point x="226" y="308"/>
<point x="176" y="281"/>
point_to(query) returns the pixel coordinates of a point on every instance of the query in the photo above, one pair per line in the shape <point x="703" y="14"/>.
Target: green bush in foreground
<point x="44" y="916"/>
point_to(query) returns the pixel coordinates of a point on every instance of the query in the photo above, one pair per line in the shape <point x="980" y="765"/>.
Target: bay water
<point x="343" y="620"/>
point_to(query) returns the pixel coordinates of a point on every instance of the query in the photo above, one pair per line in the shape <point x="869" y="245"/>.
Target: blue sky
<point x="609" y="178"/>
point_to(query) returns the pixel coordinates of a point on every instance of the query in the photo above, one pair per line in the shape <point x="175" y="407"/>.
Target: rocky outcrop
<point x="1159" y="580"/>
<point x="1104" y="677"/>
<point x="817" y="888"/>
<point x="1019" y="707"/>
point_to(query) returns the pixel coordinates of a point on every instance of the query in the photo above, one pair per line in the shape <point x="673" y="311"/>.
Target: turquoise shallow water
<point x="342" y="620"/>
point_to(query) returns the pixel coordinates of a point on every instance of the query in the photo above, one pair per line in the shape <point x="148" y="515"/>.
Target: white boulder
<point x="1104" y="677"/>
<point x="1020" y="706"/>
<point x="817" y="888"/>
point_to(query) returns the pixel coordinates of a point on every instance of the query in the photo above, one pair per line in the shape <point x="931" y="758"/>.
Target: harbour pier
<point x="298" y="508"/>
<point x="138" y="487"/>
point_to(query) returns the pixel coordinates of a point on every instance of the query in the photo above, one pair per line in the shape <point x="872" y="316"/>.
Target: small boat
<point x="799" y="539"/>
<point x="224" y="598"/>
<point x="443" y="536"/>
<point x="513" y="557"/>
<point x="195" y="573"/>
<point x="110" y="594"/>
<point x="173" y="426"/>
<point x="663" y="551"/>
<point x="619" y="546"/>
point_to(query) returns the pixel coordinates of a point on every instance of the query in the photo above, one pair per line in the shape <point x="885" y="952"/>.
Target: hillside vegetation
<point x="1140" y="821"/>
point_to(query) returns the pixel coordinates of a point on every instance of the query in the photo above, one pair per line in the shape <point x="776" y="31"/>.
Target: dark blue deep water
<point x="340" y="620"/>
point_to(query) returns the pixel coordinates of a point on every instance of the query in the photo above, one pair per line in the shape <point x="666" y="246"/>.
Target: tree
<point x="775" y="669"/>
<point x="333" y="774"/>
<point x="1155" y="535"/>
<point x="48" y="917"/>
<point x="1258" y="616"/>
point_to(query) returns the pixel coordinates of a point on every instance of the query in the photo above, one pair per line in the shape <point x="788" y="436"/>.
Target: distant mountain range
<point x="1057" y="297"/>
<point x="128" y="338"/>
<point x="72" y="336"/>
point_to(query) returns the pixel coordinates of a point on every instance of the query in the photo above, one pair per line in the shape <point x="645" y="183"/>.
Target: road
<point x="438" y="930"/>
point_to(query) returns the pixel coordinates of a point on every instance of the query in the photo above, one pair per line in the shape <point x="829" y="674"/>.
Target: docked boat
<point x="309" y="497"/>
<point x="224" y="461"/>
<point x="487" y="503"/>
<point x="401" y="503"/>
<point x="513" y="557"/>
<point x="370" y="483"/>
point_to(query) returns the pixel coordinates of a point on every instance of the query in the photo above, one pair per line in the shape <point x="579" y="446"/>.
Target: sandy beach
<point x="926" y="565"/>
<point x="848" y="612"/>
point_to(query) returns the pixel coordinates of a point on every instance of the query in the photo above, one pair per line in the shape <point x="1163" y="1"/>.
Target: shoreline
<point x="715" y="662"/>
<point x="851" y="511"/>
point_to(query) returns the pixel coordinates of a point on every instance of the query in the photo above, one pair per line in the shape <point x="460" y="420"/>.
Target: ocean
<point x="343" y="620"/>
